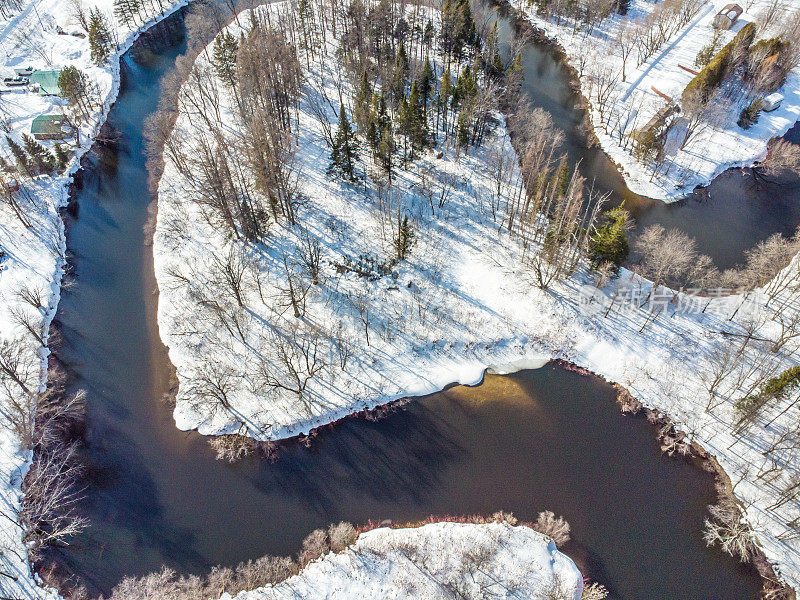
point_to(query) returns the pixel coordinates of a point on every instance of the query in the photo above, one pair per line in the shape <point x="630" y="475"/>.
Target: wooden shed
<point x="725" y="18"/>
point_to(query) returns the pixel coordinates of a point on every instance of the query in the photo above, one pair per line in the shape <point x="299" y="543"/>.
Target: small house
<point x="46" y="81"/>
<point x="50" y="127"/>
<point x="725" y="18"/>
<point x="771" y="102"/>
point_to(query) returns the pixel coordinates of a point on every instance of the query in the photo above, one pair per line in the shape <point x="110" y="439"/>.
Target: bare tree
<point x="212" y="387"/>
<point x="728" y="529"/>
<point x="556" y="528"/>
<point x="228" y="274"/>
<point x="782" y="162"/>
<point x="298" y="359"/>
<point x="309" y="255"/>
<point x="699" y="114"/>
<point x="48" y="511"/>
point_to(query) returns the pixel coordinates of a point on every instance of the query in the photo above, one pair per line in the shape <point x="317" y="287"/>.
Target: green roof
<point x="48" y="82"/>
<point x="47" y="124"/>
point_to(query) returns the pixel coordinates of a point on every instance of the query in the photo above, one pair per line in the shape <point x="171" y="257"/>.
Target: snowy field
<point x="461" y="302"/>
<point x="34" y="255"/>
<point x="634" y="101"/>
<point x="494" y="560"/>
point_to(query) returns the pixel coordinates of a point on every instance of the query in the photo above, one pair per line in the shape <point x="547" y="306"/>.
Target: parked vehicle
<point x="771" y="102"/>
<point x="24" y="72"/>
<point x="15" y="81"/>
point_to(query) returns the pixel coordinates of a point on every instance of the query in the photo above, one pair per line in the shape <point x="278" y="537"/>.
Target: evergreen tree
<point x="73" y="86"/>
<point x="39" y="157"/>
<point x="400" y="74"/>
<point x="448" y="31"/>
<point x="497" y="66"/>
<point x="404" y="240"/>
<point x="23" y="164"/>
<point x="125" y="13"/>
<point x="416" y="121"/>
<point x="514" y="75"/>
<point x="361" y="106"/>
<point x="561" y="179"/>
<point x="62" y="157"/>
<point x="429" y="33"/>
<point x="372" y="132"/>
<point x="100" y="42"/>
<point x="426" y="83"/>
<point x="379" y="109"/>
<point x="404" y="125"/>
<point x="466" y="35"/>
<point x="385" y="150"/>
<point x="463" y="129"/>
<point x="609" y="242"/>
<point x="345" y="146"/>
<point x="445" y="94"/>
<point x="226" y="46"/>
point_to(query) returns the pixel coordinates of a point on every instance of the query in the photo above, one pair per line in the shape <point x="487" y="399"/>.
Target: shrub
<point x="749" y="114"/>
<point x="556" y="528"/>
<point x="315" y="545"/>
<point x="504" y="517"/>
<point x="232" y="447"/>
<point x="342" y="536"/>
<point x="260" y="572"/>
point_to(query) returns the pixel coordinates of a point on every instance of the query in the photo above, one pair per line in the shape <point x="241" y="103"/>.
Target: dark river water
<point x="538" y="440"/>
<point x="733" y="217"/>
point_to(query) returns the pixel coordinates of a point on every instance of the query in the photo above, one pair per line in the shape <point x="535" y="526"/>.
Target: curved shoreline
<point x="383" y="409"/>
<point x="628" y="404"/>
<point x="540" y="37"/>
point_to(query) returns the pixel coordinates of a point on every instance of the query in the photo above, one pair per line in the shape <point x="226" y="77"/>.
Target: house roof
<point x="732" y="11"/>
<point x="47" y="80"/>
<point x="47" y="124"/>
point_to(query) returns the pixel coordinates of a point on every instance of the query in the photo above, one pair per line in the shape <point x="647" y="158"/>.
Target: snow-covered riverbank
<point x="598" y="60"/>
<point x="461" y="301"/>
<point x="41" y="34"/>
<point x="431" y="561"/>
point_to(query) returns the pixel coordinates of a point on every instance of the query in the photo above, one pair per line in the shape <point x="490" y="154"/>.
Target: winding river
<point x="541" y="439"/>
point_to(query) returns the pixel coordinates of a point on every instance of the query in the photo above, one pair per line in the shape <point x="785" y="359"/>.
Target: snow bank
<point x="495" y="559"/>
<point x="463" y="300"/>
<point x="35" y="255"/>
<point x="711" y="151"/>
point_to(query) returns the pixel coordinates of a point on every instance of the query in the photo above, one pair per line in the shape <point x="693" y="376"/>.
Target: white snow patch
<point x="711" y="151"/>
<point x="419" y="562"/>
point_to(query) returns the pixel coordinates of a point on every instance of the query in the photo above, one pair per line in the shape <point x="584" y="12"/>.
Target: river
<point x="547" y="439"/>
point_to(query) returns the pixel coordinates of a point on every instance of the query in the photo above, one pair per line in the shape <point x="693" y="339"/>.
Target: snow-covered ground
<point x="462" y="301"/>
<point x="34" y="256"/>
<point x="634" y="101"/>
<point x="494" y="560"/>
